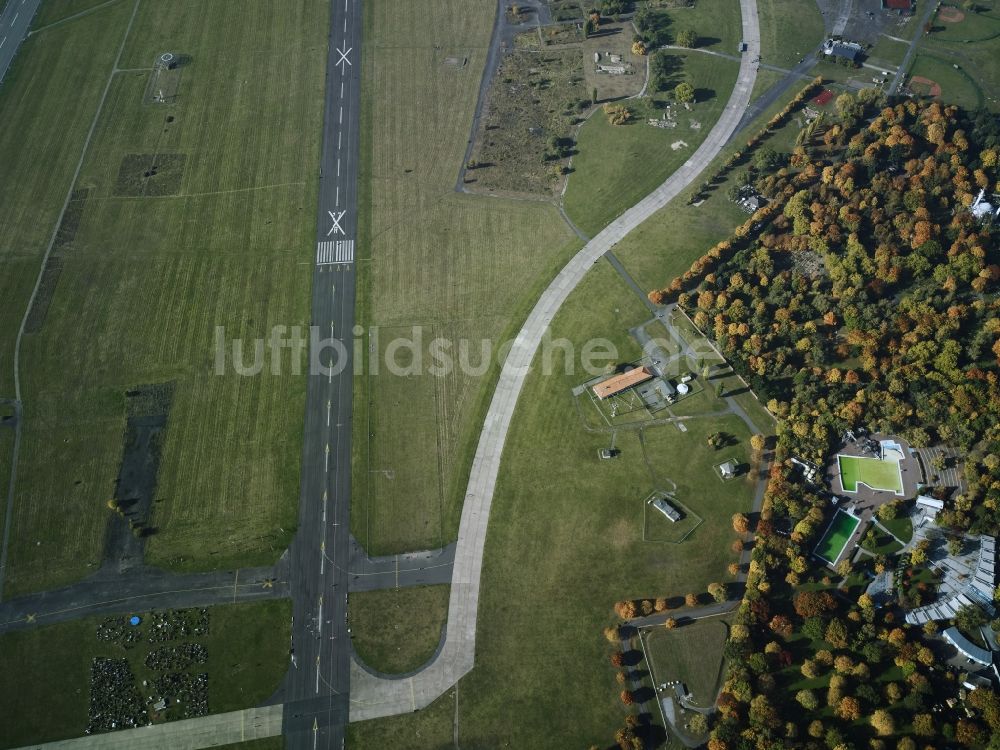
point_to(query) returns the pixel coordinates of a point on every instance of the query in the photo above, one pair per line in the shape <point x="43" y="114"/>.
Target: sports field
<point x="871" y="472"/>
<point x="831" y="546"/>
<point x="188" y="214"/>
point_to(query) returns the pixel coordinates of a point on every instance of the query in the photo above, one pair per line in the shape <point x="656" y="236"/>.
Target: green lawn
<point x="832" y="544"/>
<point x="883" y="543"/>
<point x="559" y="515"/>
<point x="975" y="27"/>
<point x="618" y="165"/>
<point x="692" y="654"/>
<point x="973" y="45"/>
<point x="53" y="11"/>
<point x="716" y="23"/>
<point x="459" y="267"/>
<point x="901" y="527"/>
<point x="872" y="472"/>
<point x="45" y="671"/>
<point x="397" y="630"/>
<point x="957" y="85"/>
<point x="789" y="30"/>
<point x="148" y="277"/>
<point x="887" y="50"/>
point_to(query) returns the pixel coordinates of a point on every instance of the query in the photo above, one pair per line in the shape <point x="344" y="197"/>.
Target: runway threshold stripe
<point x="331" y="252"/>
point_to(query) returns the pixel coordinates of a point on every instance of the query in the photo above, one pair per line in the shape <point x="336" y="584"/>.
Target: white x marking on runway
<point x="336" y="222"/>
<point x="343" y="61"/>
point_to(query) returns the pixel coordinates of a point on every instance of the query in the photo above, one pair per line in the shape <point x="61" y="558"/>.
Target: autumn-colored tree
<point x="620" y="677"/>
<point x="617" y="659"/>
<point x="741" y="524"/>
<point x="734" y="569"/>
<point x="626" y="610"/>
<point x="781" y="625"/>
<point x="611" y="634"/>
<point x="691" y="600"/>
<point x="758" y="442"/>
<point x="814" y="603"/>
<point x="717" y="591"/>
<point x="969" y="732"/>
<point x="810" y="669"/>
<point x="661" y="605"/>
<point x="698" y="724"/>
<point x="883" y="723"/>
<point x="836" y="633"/>
<point x="639" y="48"/>
<point x="646" y="607"/>
<point x="849" y="708"/>
<point x="627" y="697"/>
<point x="670" y="623"/>
<point x="807" y="699"/>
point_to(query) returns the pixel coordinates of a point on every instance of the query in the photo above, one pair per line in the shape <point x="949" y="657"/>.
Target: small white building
<point x="982" y="208"/>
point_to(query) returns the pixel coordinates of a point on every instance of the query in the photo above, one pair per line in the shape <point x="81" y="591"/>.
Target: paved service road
<point x="316" y="687"/>
<point x="372" y="697"/>
<point x="15" y="19"/>
<point x="186" y="734"/>
<point x="153" y="589"/>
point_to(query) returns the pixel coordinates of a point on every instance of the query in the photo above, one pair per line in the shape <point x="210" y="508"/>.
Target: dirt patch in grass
<point x="150" y="175"/>
<point x="604" y="55"/>
<point x="46" y="291"/>
<point x="924" y="86"/>
<point x="147" y="407"/>
<point x="951" y="15"/>
<point x="71" y="219"/>
<point x="535" y="100"/>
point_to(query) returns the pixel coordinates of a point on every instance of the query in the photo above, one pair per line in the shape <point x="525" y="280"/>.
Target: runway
<point x="15" y="20"/>
<point x="315" y="692"/>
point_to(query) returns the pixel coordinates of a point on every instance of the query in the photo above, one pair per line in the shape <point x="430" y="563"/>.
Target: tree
<point x="883" y="722"/>
<point x="670" y="623"/>
<point x="849" y="708"/>
<point x="589" y="27"/>
<point x="626" y="609"/>
<point x="766" y="159"/>
<point x="807" y="699"/>
<point x="639" y="48"/>
<point x="691" y="600"/>
<point x="687" y="38"/>
<point x="717" y="591"/>
<point x="611" y="634"/>
<point x="617" y="659"/>
<point x="734" y="569"/>
<point x="969" y="733"/>
<point x="970" y="617"/>
<point x="888" y="511"/>
<point x="684" y="92"/>
<point x="627" y="698"/>
<point x="698" y="724"/>
<point x="836" y="633"/>
<point x="923" y="725"/>
<point x="741" y="524"/>
<point x="757" y="442"/>
<point x="617" y="114"/>
<point x="814" y="603"/>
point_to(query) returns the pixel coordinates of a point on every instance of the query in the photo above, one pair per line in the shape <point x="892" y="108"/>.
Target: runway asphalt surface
<point x="15" y="19"/>
<point x="315" y="692"/>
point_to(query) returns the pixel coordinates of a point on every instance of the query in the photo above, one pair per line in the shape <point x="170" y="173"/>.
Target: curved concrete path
<point x="373" y="697"/>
